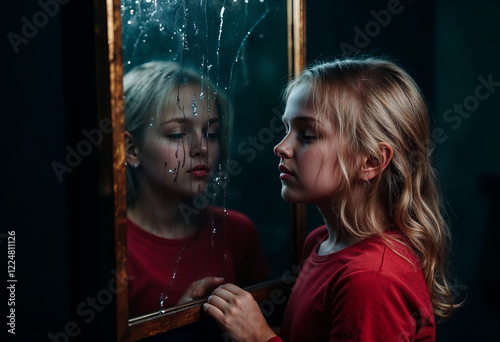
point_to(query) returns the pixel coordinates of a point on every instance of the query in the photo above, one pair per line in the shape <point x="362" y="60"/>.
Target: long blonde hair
<point x="372" y="100"/>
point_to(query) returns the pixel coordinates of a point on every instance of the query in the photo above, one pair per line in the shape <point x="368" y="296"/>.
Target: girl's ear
<point x="372" y="166"/>
<point x="131" y="150"/>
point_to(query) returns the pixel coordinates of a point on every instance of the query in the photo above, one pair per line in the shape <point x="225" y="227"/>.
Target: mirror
<point x="185" y="64"/>
<point x="233" y="84"/>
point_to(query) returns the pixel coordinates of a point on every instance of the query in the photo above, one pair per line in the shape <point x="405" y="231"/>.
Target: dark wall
<point x="34" y="201"/>
<point x="50" y="179"/>
<point x="467" y="52"/>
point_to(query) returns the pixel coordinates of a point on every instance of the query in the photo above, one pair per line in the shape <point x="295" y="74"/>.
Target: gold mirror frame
<point x="109" y="65"/>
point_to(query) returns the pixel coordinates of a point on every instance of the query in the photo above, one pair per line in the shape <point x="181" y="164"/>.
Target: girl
<point x="357" y="146"/>
<point x="180" y="246"/>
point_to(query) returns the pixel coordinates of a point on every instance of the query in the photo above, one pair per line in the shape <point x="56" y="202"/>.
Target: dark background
<point x="49" y="95"/>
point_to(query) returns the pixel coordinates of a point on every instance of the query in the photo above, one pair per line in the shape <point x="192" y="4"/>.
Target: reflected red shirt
<point x="225" y="246"/>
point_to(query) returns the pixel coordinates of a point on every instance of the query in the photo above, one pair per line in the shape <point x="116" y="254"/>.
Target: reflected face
<point x="180" y="152"/>
<point x="308" y="154"/>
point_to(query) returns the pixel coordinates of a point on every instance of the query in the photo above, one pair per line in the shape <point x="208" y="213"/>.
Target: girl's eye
<point x="212" y="135"/>
<point x="306" y="138"/>
<point x="175" y="136"/>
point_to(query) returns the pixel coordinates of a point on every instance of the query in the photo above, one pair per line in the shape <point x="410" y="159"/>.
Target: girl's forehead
<point x="299" y="105"/>
<point x="300" y="92"/>
<point x="190" y="102"/>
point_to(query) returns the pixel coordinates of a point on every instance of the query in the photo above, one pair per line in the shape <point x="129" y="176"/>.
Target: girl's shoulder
<point x="228" y="217"/>
<point x="235" y="225"/>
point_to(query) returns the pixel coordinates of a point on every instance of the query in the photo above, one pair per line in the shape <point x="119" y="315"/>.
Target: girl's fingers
<point x="224" y="296"/>
<point x="218" y="302"/>
<point x="228" y="291"/>
<point x="210" y="282"/>
<point x="223" y="293"/>
<point x="213" y="311"/>
<point x="233" y="289"/>
<point x="237" y="313"/>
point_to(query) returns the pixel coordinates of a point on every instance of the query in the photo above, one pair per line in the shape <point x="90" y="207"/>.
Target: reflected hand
<point x="200" y="288"/>
<point x="238" y="314"/>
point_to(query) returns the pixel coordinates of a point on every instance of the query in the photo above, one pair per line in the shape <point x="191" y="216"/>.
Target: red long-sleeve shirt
<point x="233" y="252"/>
<point x="365" y="292"/>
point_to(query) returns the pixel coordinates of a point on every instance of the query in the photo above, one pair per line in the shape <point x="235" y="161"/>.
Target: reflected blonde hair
<point x="372" y="100"/>
<point x="152" y="89"/>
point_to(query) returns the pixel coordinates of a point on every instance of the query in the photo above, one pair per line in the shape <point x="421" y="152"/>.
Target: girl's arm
<point x="238" y="314"/>
<point x="370" y="306"/>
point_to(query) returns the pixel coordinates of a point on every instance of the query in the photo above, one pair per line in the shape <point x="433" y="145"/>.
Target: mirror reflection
<point x="188" y="229"/>
<point x="181" y="244"/>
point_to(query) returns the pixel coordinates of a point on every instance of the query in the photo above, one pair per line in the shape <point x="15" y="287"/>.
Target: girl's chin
<point x="288" y="196"/>
<point x="201" y="188"/>
<point x="297" y="196"/>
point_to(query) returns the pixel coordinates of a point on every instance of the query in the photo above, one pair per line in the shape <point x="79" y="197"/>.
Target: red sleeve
<point x="369" y="306"/>
<point x="275" y="339"/>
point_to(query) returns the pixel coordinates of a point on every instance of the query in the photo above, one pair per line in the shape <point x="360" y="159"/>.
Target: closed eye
<point x="212" y="135"/>
<point x="175" y="136"/>
<point x="307" y="138"/>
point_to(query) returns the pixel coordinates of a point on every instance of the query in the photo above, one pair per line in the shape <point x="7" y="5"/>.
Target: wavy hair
<point x="152" y="89"/>
<point x="370" y="101"/>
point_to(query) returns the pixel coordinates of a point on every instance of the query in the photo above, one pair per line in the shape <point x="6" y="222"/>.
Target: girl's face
<point x="180" y="151"/>
<point x="308" y="154"/>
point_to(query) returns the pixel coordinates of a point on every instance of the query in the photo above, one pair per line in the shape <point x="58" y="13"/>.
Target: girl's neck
<point x="335" y="241"/>
<point x="162" y="218"/>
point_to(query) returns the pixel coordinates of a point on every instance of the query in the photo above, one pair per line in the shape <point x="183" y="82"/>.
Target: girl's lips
<point x="199" y="171"/>
<point x="285" y="173"/>
<point x="285" y="176"/>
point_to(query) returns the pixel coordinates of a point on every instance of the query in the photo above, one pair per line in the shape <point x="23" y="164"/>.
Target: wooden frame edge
<point x="296" y="14"/>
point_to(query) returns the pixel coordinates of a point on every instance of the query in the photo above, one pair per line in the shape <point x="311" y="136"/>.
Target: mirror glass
<point x="202" y="87"/>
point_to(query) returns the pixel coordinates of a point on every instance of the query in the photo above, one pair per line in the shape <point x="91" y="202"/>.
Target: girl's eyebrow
<point x="302" y="119"/>
<point x="305" y="119"/>
<point x="214" y="121"/>
<point x="188" y="121"/>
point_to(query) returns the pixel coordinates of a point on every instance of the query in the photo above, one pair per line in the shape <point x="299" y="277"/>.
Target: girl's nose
<point x="283" y="149"/>
<point x="198" y="145"/>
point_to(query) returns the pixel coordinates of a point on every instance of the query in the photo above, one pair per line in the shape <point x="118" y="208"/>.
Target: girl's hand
<point x="238" y="314"/>
<point x="200" y="288"/>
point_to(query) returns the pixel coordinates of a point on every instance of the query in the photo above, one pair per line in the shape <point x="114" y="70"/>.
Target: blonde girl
<point x="357" y="146"/>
